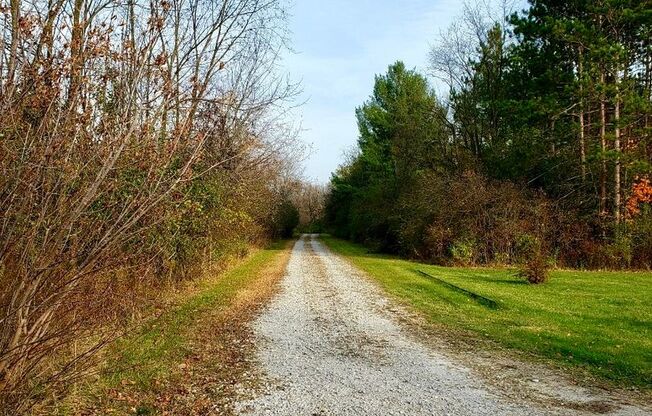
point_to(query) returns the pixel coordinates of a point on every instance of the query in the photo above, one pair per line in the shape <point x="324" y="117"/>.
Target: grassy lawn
<point x="140" y="366"/>
<point x="601" y="321"/>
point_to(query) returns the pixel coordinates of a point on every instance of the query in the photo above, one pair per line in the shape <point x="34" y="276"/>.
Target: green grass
<point x="151" y="353"/>
<point x="601" y="321"/>
<point x="138" y="366"/>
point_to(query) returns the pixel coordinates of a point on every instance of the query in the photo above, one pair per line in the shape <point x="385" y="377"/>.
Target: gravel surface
<point x="330" y="344"/>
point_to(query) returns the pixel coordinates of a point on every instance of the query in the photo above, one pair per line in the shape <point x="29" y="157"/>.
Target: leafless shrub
<point x="535" y="269"/>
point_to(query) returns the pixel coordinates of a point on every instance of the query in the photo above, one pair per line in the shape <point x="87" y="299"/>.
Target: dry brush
<point x="137" y="139"/>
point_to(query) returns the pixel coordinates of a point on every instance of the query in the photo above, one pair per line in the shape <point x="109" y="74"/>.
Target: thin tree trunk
<point x="582" y="146"/>
<point x="15" y="38"/>
<point x="617" y="181"/>
<point x="582" y="138"/>
<point x="553" y="146"/>
<point x="603" y="148"/>
<point x="648" y="83"/>
<point x="76" y="49"/>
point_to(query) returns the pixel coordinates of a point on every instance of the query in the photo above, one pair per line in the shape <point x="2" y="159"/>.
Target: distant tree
<point x="309" y="199"/>
<point x="287" y="219"/>
<point x="402" y="131"/>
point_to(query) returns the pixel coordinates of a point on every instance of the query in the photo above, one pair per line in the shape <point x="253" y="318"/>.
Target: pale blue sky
<point x="340" y="45"/>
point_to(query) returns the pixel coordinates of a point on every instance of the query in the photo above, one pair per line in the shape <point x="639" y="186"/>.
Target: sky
<point x="338" y="47"/>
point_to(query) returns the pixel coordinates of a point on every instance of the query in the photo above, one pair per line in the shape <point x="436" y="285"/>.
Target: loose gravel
<point x="331" y="344"/>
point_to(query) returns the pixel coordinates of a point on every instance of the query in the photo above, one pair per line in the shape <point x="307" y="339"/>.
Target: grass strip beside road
<point x="187" y="360"/>
<point x="597" y="320"/>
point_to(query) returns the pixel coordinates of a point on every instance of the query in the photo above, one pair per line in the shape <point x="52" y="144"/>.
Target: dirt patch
<point x="596" y="406"/>
<point x="221" y="354"/>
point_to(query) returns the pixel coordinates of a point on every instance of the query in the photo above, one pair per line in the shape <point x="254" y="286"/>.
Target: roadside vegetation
<point x="597" y="320"/>
<point x="187" y="359"/>
<point x="539" y="152"/>
<point x="142" y="145"/>
<point x="535" y="157"/>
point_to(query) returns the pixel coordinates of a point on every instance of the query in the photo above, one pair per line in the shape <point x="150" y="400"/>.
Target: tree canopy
<point x="554" y="104"/>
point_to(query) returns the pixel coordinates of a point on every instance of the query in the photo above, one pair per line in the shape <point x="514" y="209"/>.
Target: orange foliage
<point x="641" y="194"/>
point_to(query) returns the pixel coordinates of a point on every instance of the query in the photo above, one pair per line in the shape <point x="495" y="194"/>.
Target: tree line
<point x="540" y="150"/>
<point x="141" y="143"/>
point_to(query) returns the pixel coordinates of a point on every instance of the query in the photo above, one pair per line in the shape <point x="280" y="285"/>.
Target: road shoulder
<point x="188" y="360"/>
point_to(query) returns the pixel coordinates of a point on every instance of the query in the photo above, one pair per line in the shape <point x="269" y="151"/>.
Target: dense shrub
<point x="463" y="251"/>
<point x="286" y="220"/>
<point x="532" y="259"/>
<point x="117" y="177"/>
<point x="469" y="219"/>
<point x="640" y="230"/>
<point x="535" y="269"/>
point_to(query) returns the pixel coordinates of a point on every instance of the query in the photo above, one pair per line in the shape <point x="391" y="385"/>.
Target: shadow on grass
<point x="482" y="300"/>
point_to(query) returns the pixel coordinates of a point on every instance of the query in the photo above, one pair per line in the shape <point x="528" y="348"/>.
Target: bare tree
<point x="310" y="199"/>
<point x="456" y="48"/>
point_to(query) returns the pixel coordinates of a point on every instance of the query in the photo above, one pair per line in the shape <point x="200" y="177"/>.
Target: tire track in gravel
<point x="330" y="344"/>
<point x="332" y="319"/>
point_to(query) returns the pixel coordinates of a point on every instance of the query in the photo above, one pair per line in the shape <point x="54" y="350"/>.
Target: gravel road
<point x="331" y="344"/>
